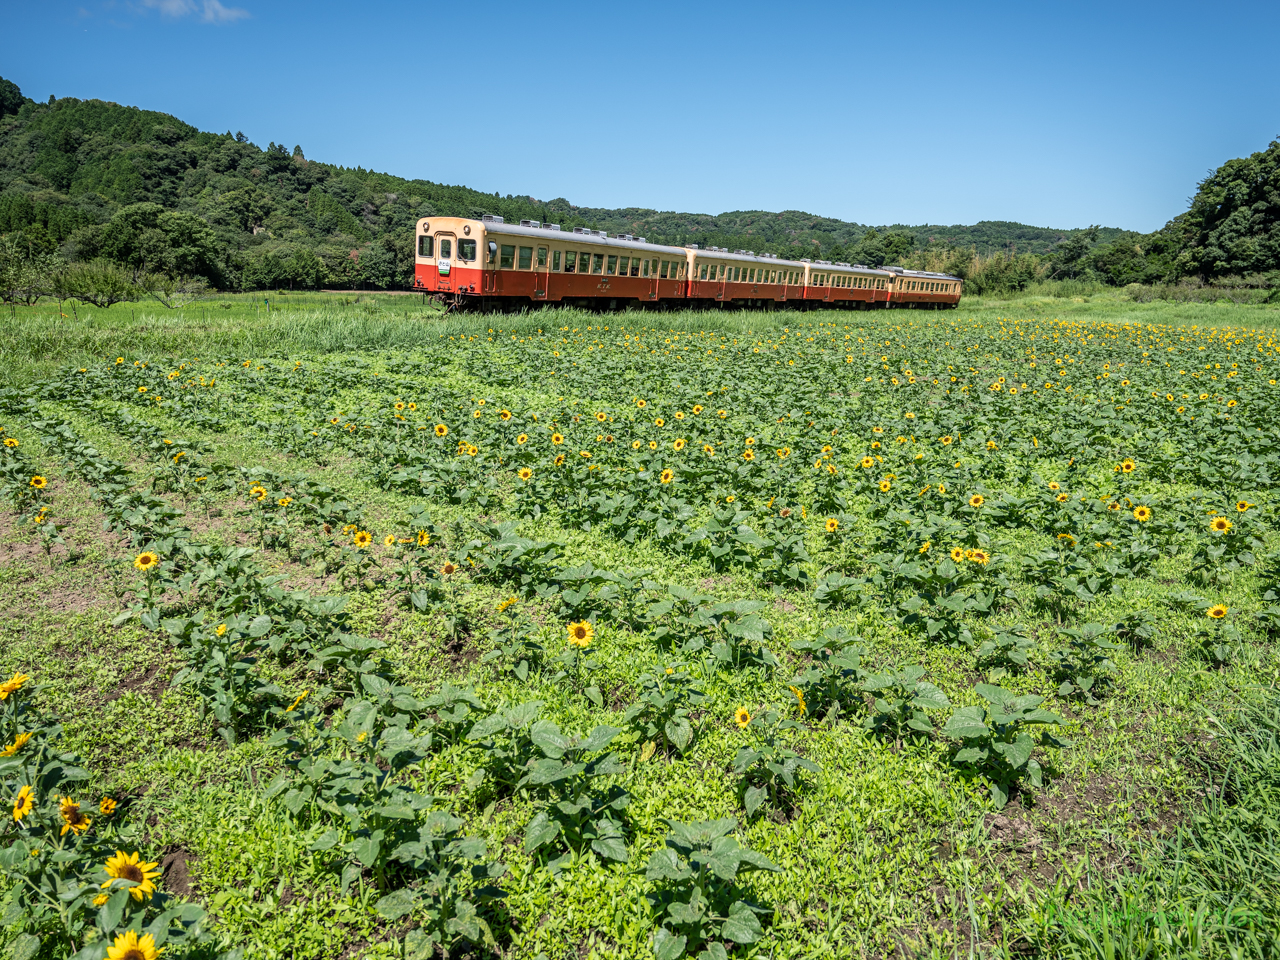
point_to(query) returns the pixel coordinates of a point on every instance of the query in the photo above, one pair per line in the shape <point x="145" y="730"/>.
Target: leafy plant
<point x="768" y="769"/>
<point x="900" y="699"/>
<point x="661" y="714"/>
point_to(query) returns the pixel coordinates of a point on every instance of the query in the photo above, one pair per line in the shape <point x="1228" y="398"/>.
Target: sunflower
<point x="19" y="742"/>
<point x="524" y="473"/>
<point x="285" y="501"/>
<point x="449" y="569"/>
<point x="1216" y="612"/>
<point x="697" y="408"/>
<point x="978" y="556"/>
<point x="800" y="704"/>
<point x="1127" y="466"/>
<point x="924" y="548"/>
<point x="424" y="538"/>
<point x="39" y="482"/>
<point x="221" y="629"/>
<point x="679" y="444"/>
<point x="13" y="684"/>
<point x="1113" y="506"/>
<point x="867" y="463"/>
<point x="679" y="415"/>
<point x="1142" y="513"/>
<point x="73" y="818"/>
<point x="832" y="525"/>
<point x="441" y="430"/>
<point x="257" y="491"/>
<point x="522" y="439"/>
<point x="389" y="540"/>
<point x="10" y="442"/>
<point x="884" y="486"/>
<point x="976" y="500"/>
<point x="750" y="441"/>
<point x="742" y="717"/>
<point x="130" y="868"/>
<point x="1220" y="524"/>
<point x="362" y="539"/>
<point x="1062" y="498"/>
<point x="557" y="439"/>
<point x="399" y="406"/>
<point x="641" y="404"/>
<point x="1243" y="505"/>
<point x="581" y="633"/>
<point x="558" y="461"/>
<point x="145" y="561"/>
<point x="1054" y="485"/>
<point x="957" y="554"/>
<point x="653" y="444"/>
<point x="23" y="803"/>
<point x="946" y="441"/>
<point x="502" y="607"/>
<point x="877" y="429"/>
<point x="504" y="414"/>
<point x="666" y="476"/>
<point x="601" y="416"/>
<point x="749" y="455"/>
<point x="130" y="946"/>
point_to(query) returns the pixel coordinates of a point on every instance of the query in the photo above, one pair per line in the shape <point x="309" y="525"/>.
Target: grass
<point x="1154" y="835"/>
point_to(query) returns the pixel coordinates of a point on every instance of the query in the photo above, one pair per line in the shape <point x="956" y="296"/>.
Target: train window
<point x="526" y="258"/>
<point x="555" y="260"/>
<point x="507" y="258"/>
<point x="635" y="266"/>
<point x="623" y="264"/>
<point x="646" y="268"/>
<point x="446" y="248"/>
<point x="702" y="274"/>
<point x="466" y="249"/>
<point x="597" y="263"/>
<point x="542" y="256"/>
<point x="612" y="267"/>
<point x="584" y="262"/>
<point x="426" y="246"/>
<point x="666" y="265"/>
<point x="570" y="261"/>
<point x="683" y="265"/>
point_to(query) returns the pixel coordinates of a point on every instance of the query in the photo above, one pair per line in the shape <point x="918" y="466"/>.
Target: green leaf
<point x="668" y="945"/>
<point x="752" y="797"/>
<point x="27" y="945"/>
<point x="665" y="865"/>
<point x="396" y="904"/>
<point x="966" y="723"/>
<point x="259" y="626"/>
<point x="742" y="925"/>
<point x="112" y="911"/>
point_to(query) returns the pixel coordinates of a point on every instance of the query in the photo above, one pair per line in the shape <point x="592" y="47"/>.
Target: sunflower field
<point x="576" y="636"/>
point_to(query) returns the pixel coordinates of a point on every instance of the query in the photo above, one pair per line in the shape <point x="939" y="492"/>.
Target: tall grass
<point x="1212" y="890"/>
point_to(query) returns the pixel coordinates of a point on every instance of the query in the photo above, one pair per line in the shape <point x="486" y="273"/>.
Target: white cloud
<point x="210" y="11"/>
<point x="214" y="12"/>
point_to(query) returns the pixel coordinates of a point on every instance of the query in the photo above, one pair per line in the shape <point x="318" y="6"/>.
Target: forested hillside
<point x="94" y="193"/>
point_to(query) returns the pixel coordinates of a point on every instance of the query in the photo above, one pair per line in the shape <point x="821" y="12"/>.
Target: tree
<point x="1233" y="226"/>
<point x="11" y="98"/>
<point x="100" y="282"/>
<point x="1066" y="259"/>
<point x="25" y="274"/>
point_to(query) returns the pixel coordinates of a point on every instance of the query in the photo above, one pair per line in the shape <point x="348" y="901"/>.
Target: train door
<point x="541" y="272"/>
<point x="652" y="265"/>
<point x="444" y="259"/>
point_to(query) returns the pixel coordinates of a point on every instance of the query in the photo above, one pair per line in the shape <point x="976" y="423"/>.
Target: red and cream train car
<point x="493" y="264"/>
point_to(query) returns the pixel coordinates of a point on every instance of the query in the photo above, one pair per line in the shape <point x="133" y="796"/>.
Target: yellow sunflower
<point x="449" y="569"/>
<point x="679" y="444"/>
<point x="441" y="430"/>
<point x="73" y="818"/>
<point x="1243" y="505"/>
<point x="23" y="803"/>
<point x="742" y="717"/>
<point x="522" y="439"/>
<point x="39" y="482"/>
<point x="832" y="525"/>
<point x="362" y="539"/>
<point x="957" y="554"/>
<point x="884" y="486"/>
<point x="146" y="561"/>
<point x="976" y="500"/>
<point x="424" y="538"/>
<point x="389" y="540"/>
<point x="19" y="742"/>
<point x="581" y="633"/>
<point x="107" y="806"/>
<point x="524" y="473"/>
<point x="1220" y="524"/>
<point x="1216" y="612"/>
<point x="130" y="868"/>
<point x="557" y="439"/>
<point x="1142" y="513"/>
<point x="666" y="476"/>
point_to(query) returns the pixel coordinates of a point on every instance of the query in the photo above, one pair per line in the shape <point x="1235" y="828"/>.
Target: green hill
<point x="89" y="181"/>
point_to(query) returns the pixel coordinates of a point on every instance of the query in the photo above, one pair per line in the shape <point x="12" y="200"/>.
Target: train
<point x="493" y="265"/>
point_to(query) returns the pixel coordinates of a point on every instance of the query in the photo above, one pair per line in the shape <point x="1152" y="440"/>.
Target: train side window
<point x="635" y="266"/>
<point x="666" y="265"/>
<point x="526" y="258"/>
<point x="623" y="265"/>
<point x="542" y="256"/>
<point x="612" y="266"/>
<point x="645" y="269"/>
<point x="466" y="249"/>
<point x="426" y="246"/>
<point x="702" y="273"/>
<point x="597" y="263"/>
<point x="570" y="261"/>
<point x="555" y="261"/>
<point x="584" y="262"/>
<point x="507" y="256"/>
<point x="683" y="268"/>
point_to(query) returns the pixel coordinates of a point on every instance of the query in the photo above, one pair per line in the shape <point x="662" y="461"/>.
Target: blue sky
<point x="1047" y="113"/>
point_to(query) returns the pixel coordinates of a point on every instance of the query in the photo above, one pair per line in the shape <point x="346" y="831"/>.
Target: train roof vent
<point x="490" y="218"/>
<point x="582" y="230"/>
<point x="840" y="264"/>
<point x="640" y="240"/>
<point x="625" y="236"/>
<point x="551" y="226"/>
<point x="805" y="260"/>
<point x="825" y="263"/>
<point x="531" y="223"/>
<point x="739" y="251"/>
<point x="860" y="266"/>
<point x="694" y="246"/>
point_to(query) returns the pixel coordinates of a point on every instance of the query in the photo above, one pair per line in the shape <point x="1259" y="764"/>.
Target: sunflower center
<point x="132" y="873"/>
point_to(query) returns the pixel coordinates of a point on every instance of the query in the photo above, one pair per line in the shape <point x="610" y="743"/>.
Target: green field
<point x="687" y="634"/>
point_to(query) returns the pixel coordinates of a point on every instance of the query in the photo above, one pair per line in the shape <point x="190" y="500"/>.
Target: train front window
<point x="507" y="257"/>
<point x="526" y="258"/>
<point x="466" y="249"/>
<point x="597" y="263"/>
<point x="446" y="248"/>
<point x="426" y="246"/>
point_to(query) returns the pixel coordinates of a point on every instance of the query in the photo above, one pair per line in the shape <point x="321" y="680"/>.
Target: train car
<point x="494" y="264"/>
<point x="846" y="285"/>
<point x="741" y="277"/>
<point x="917" y="289"/>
